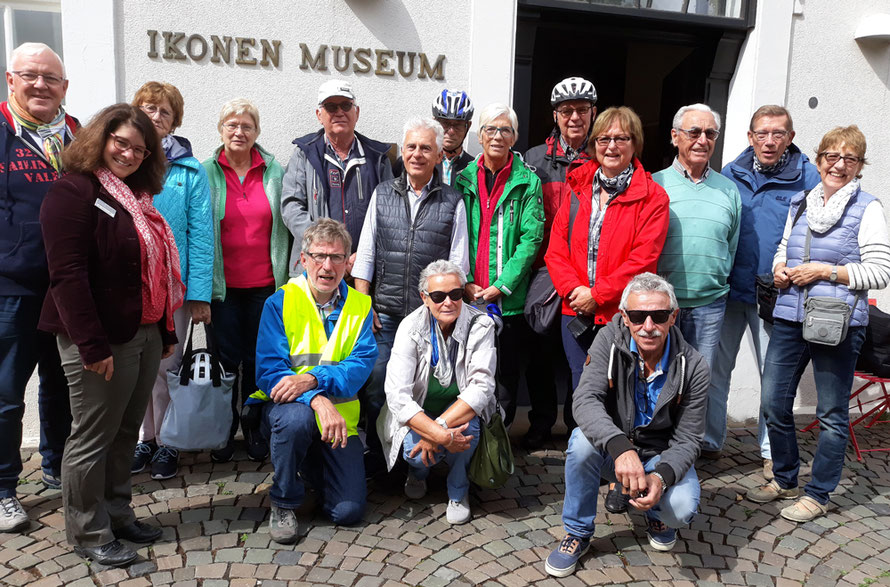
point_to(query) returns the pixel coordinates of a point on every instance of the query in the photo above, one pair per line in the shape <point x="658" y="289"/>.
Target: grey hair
<point x="32" y="49"/>
<point x="496" y="110"/>
<point x="417" y="123"/>
<point x="440" y="267"/>
<point x="326" y="230"/>
<point x="237" y="107"/>
<point x="648" y="282"/>
<point x="678" y="117"/>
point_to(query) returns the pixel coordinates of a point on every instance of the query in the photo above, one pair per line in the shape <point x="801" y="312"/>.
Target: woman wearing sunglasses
<point x="252" y="246"/>
<point x="115" y="285"/>
<point x="439" y="387"/>
<point x="836" y="248"/>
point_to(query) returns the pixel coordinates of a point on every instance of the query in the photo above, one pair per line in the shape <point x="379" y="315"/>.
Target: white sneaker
<point x="414" y="488"/>
<point x="458" y="512"/>
<point x="12" y="516"/>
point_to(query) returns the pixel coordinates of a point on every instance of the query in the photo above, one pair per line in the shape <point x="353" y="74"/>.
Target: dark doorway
<point x="652" y="65"/>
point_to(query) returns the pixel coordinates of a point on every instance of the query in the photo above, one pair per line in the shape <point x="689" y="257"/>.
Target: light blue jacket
<point x="185" y="205"/>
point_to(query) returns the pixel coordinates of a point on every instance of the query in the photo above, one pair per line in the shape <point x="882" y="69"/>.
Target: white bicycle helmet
<point x="202" y="363"/>
<point x="573" y="88"/>
<point x="454" y="105"/>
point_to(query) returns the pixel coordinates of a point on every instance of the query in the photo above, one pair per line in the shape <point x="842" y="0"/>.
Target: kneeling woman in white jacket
<point x="440" y="386"/>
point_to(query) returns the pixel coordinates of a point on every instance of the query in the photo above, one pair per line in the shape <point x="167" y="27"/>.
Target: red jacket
<point x="631" y="238"/>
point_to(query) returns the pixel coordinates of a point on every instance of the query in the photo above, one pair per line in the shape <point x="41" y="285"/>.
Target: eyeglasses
<point x="30" y="77"/>
<point x="620" y="140"/>
<point x="695" y="132"/>
<point x="639" y="316"/>
<point x="448" y="125"/>
<point x="320" y="258"/>
<point x="504" y="131"/>
<point x="122" y="144"/>
<point x="439" y="296"/>
<point x="568" y="112"/>
<point x="245" y="128"/>
<point x="151" y="110"/>
<point x="332" y="107"/>
<point x="762" y="135"/>
<point x="832" y="158"/>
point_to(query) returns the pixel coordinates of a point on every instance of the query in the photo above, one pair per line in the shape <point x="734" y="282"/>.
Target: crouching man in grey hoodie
<point x="640" y="407"/>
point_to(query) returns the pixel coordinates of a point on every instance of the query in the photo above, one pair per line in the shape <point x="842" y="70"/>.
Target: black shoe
<point x="257" y="447"/>
<point x="712" y="455"/>
<point x="165" y="463"/>
<point x="534" y="439"/>
<point x="138" y="532"/>
<point x="617" y="500"/>
<point x="52" y="480"/>
<point x="375" y="465"/>
<point x="223" y="455"/>
<point x="113" y="554"/>
<point x="142" y="456"/>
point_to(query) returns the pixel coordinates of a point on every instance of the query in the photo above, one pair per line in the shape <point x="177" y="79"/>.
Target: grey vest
<point x="404" y="248"/>
<point x="838" y="246"/>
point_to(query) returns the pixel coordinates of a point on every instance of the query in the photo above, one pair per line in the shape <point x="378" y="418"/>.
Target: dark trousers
<point x="22" y="348"/>
<point x="576" y="354"/>
<point x="236" y="321"/>
<point x="547" y="371"/>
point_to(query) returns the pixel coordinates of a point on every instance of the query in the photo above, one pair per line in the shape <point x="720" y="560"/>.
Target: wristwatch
<point x="833" y="277"/>
<point x="441" y="422"/>
<point x="664" y="485"/>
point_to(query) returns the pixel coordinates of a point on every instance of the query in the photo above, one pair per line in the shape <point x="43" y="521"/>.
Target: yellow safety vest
<point x="310" y="346"/>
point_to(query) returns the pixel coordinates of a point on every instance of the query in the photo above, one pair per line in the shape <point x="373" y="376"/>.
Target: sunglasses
<point x="639" y="316"/>
<point x="439" y="296"/>
<point x="332" y="107"/>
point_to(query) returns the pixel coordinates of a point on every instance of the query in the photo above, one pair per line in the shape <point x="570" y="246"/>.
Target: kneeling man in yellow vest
<point x="315" y="349"/>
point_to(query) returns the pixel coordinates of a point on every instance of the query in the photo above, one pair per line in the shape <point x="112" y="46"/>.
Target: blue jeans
<point x="372" y="395"/>
<point x="736" y="319"/>
<point x="236" y="321"/>
<point x="23" y="347"/>
<point x="786" y="358"/>
<point x="458" y="462"/>
<point x="298" y="455"/>
<point x="585" y="464"/>
<point x="701" y="327"/>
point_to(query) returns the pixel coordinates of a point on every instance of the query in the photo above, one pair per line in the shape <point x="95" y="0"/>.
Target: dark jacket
<point x="403" y="247"/>
<point x="551" y="165"/>
<point x="95" y="268"/>
<point x="604" y="408"/>
<point x="305" y="190"/>
<point x="765" y="203"/>
<point x="25" y="177"/>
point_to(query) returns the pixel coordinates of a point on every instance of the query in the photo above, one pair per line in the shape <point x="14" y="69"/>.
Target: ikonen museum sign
<point x="248" y="51"/>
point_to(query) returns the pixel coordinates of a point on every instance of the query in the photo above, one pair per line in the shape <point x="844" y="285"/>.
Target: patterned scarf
<point x="162" y="287"/>
<point x="440" y="360"/>
<point x="822" y="215"/>
<point x="771" y="169"/>
<point x="617" y="184"/>
<point x="52" y="134"/>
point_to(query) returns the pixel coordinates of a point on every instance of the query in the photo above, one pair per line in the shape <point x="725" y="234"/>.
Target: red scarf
<point x="162" y="288"/>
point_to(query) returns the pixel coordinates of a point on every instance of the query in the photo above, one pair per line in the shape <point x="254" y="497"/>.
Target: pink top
<point x="246" y="227"/>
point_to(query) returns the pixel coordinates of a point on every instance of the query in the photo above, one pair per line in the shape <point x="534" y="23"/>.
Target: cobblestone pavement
<point x="215" y="532"/>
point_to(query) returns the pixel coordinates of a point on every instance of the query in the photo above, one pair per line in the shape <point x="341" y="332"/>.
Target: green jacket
<point x="516" y="231"/>
<point x="280" y="239"/>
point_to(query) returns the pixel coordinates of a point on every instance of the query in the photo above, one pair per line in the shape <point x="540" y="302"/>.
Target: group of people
<point x="371" y="299"/>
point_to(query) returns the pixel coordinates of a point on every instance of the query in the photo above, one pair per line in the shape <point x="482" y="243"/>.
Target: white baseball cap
<point x="335" y="87"/>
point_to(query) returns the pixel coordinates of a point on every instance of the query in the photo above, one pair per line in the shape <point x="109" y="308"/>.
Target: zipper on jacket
<point x="512" y="202"/>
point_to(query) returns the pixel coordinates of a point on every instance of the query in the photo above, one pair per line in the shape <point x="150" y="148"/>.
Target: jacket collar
<point x="370" y="144"/>
<point x="580" y="181"/>
<point x="520" y="175"/>
<point x="400" y="184"/>
<point x="743" y="166"/>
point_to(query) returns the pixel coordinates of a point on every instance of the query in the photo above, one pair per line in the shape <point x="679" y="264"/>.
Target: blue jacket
<point x="185" y="205"/>
<point x="25" y="177"/>
<point x="273" y="359"/>
<point x="765" y="203"/>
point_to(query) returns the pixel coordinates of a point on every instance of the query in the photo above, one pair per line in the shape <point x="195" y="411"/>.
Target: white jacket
<point x="408" y="373"/>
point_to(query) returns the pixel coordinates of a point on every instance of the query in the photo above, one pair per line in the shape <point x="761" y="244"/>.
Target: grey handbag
<point x="825" y="318"/>
<point x="199" y="416"/>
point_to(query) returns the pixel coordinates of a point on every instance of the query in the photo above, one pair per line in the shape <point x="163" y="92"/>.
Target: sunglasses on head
<point x="439" y="296"/>
<point x="639" y="316"/>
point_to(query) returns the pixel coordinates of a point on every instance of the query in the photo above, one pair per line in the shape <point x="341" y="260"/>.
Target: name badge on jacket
<point x="105" y="207"/>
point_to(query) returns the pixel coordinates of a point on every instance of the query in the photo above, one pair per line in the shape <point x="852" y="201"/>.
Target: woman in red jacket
<point x="114" y="285"/>
<point x="619" y="223"/>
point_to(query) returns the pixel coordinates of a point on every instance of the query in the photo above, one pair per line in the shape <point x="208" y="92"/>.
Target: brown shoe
<point x="768" y="469"/>
<point x="804" y="509"/>
<point x="771" y="492"/>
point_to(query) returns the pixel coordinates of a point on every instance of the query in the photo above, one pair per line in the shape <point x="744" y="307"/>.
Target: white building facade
<point x="803" y="54"/>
